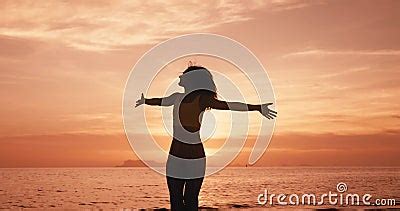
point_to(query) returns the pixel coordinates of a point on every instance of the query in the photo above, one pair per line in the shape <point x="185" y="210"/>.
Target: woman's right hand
<point x="140" y="101"/>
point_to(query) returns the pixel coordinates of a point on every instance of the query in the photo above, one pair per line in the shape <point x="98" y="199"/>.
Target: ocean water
<point x="132" y="188"/>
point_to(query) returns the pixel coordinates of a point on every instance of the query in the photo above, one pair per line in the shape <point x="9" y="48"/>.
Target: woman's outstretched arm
<point x="233" y="106"/>
<point x="238" y="106"/>
<point x="165" y="101"/>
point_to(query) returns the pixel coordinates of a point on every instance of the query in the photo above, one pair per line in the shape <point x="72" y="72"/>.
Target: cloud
<point x="282" y="5"/>
<point x="348" y="71"/>
<point x="104" y="25"/>
<point x="322" y="52"/>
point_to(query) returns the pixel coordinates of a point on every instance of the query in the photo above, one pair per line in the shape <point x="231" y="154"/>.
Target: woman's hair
<point x="201" y="82"/>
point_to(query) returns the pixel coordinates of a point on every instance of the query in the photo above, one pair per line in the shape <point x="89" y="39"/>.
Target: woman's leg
<point x="192" y="190"/>
<point x="175" y="187"/>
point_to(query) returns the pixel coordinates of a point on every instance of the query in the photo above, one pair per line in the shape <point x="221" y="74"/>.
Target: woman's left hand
<point x="268" y="113"/>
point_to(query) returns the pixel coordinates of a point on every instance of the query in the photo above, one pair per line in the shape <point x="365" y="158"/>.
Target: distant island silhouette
<point x="139" y="163"/>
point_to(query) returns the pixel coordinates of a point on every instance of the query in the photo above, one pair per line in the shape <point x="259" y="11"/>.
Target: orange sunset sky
<point x="334" y="66"/>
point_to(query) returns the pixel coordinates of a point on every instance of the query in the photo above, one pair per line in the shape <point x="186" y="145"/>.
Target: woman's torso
<point x="187" y="117"/>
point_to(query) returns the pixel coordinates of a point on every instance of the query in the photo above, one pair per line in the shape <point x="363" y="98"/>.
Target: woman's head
<point x="196" y="78"/>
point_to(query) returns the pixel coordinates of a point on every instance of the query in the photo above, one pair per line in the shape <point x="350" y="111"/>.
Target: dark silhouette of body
<point x="200" y="95"/>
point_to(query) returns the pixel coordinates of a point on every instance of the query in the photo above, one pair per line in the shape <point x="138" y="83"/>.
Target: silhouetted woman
<point x="186" y="161"/>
